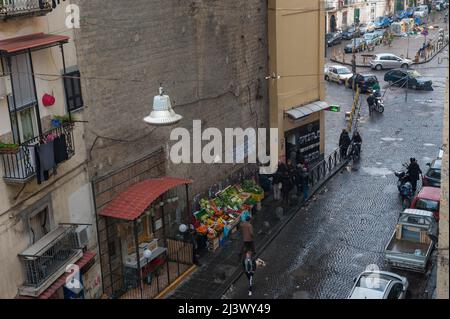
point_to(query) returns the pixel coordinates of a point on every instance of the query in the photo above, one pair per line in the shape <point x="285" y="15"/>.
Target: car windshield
<point x="380" y="19"/>
<point x="343" y="71"/>
<point x="420" y="9"/>
<point x="427" y="204"/>
<point x="434" y="173"/>
<point x="373" y="281"/>
<point x="370" y="79"/>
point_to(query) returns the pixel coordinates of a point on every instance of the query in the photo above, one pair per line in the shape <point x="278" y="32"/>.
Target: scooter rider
<point x="371" y="100"/>
<point x="356" y="142"/>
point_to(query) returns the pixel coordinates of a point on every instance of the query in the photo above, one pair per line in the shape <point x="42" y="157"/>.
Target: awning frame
<point x="305" y="110"/>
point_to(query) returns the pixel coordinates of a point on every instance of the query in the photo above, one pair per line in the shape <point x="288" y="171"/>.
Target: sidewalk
<point x="221" y="268"/>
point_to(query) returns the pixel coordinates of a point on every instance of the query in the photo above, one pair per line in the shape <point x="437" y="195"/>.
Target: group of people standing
<point x="289" y="176"/>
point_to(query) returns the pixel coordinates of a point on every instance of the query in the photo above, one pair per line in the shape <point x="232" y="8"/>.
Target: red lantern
<point x="48" y="100"/>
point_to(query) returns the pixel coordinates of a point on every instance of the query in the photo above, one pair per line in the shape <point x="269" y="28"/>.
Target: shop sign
<point x="308" y="140"/>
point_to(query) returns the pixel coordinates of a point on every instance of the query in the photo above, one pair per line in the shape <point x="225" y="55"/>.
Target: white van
<point x="421" y="11"/>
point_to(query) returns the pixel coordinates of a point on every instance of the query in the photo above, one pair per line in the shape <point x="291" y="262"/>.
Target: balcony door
<point x="23" y="102"/>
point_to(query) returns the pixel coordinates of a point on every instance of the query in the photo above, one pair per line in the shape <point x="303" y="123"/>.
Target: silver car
<point x="379" y="285"/>
<point x="389" y="61"/>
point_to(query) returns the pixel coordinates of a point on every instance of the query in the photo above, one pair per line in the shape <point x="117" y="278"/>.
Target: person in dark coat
<point x="344" y="143"/>
<point x="286" y="182"/>
<point x="414" y="172"/>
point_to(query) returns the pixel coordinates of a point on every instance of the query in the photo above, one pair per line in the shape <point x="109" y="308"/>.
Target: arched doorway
<point x="333" y="23"/>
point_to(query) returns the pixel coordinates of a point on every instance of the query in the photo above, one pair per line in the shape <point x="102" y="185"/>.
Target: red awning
<point x="132" y="202"/>
<point x="50" y="291"/>
<point x="31" y="41"/>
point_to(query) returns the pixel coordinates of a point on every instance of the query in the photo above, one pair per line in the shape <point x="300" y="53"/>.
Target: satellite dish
<point x="183" y="228"/>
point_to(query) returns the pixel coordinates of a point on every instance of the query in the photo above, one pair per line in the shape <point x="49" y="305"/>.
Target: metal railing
<point x="15" y="7"/>
<point x="326" y="167"/>
<point x="42" y="264"/>
<point x="19" y="167"/>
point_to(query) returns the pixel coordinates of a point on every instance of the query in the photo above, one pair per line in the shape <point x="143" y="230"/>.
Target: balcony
<point x="18" y="166"/>
<point x="46" y="260"/>
<point x="21" y="8"/>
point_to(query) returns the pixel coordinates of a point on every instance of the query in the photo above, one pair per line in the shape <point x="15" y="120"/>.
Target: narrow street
<point x="345" y="228"/>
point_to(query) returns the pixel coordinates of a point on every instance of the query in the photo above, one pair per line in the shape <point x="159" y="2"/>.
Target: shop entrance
<point x="148" y="238"/>
<point x="304" y="143"/>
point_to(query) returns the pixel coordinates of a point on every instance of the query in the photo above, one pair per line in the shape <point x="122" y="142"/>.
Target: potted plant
<point x="8" y="148"/>
<point x="59" y="120"/>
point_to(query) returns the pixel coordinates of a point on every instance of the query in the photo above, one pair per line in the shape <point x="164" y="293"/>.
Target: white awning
<point x="307" y="109"/>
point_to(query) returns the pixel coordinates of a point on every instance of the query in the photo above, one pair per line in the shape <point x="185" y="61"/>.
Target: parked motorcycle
<point x="404" y="187"/>
<point x="402" y="176"/>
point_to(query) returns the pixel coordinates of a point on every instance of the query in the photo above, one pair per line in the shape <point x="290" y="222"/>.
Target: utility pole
<point x="353" y="67"/>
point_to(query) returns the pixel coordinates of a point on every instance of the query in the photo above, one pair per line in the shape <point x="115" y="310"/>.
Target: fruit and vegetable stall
<point x="219" y="216"/>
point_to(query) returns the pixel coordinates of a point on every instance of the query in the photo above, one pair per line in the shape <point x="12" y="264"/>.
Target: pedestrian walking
<point x="305" y="183"/>
<point x="286" y="186"/>
<point x="414" y="172"/>
<point x="249" y="264"/>
<point x="344" y="143"/>
<point x="247" y="235"/>
<point x="276" y="184"/>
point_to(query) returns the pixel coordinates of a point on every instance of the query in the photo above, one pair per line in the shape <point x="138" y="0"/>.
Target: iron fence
<point x="326" y="167"/>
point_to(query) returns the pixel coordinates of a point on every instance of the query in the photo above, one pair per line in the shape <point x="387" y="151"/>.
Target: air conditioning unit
<point x="5" y="86"/>
<point x="82" y="236"/>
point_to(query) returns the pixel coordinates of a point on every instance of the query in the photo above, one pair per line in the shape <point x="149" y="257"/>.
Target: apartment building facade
<point x="343" y="13"/>
<point x="47" y="220"/>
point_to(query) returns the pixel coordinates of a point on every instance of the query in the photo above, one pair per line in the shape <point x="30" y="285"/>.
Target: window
<point x="23" y="81"/>
<point x="26" y="126"/>
<point x="428" y="205"/>
<point x="72" y="86"/>
<point x="39" y="225"/>
<point x="395" y="292"/>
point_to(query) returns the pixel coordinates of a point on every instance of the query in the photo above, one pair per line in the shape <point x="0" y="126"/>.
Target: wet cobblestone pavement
<point x="346" y="228"/>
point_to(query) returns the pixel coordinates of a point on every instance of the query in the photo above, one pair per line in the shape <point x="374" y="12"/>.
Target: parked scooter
<point x="402" y="176"/>
<point x="404" y="187"/>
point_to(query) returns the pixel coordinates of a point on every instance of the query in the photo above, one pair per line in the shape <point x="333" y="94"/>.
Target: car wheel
<point x="378" y="67"/>
<point x="341" y="82"/>
<point x="404" y="66"/>
<point x="327" y="78"/>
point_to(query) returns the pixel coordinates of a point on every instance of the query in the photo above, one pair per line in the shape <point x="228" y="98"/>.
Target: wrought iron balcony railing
<point x="47" y="259"/>
<point x="15" y="8"/>
<point x="18" y="166"/>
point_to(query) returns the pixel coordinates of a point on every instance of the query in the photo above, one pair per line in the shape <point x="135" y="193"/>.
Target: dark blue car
<point x="382" y="22"/>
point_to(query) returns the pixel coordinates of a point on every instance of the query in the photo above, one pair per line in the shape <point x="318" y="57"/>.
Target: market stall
<point x="219" y="216"/>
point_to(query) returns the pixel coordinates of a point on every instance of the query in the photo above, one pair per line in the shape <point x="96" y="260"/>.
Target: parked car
<point x="379" y="285"/>
<point x="412" y="241"/>
<point x="410" y="12"/>
<point x="421" y="11"/>
<point x="350" y="33"/>
<point x="389" y="61"/>
<point x="366" y="28"/>
<point x="412" y="78"/>
<point x="433" y="175"/>
<point x="357" y="44"/>
<point x="428" y="199"/>
<point x="400" y="15"/>
<point x="382" y="22"/>
<point x="338" y="73"/>
<point x="372" y="38"/>
<point x="364" y="82"/>
<point x="333" y="38"/>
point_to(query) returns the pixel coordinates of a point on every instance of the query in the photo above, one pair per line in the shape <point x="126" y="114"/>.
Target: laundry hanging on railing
<point x="51" y="151"/>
